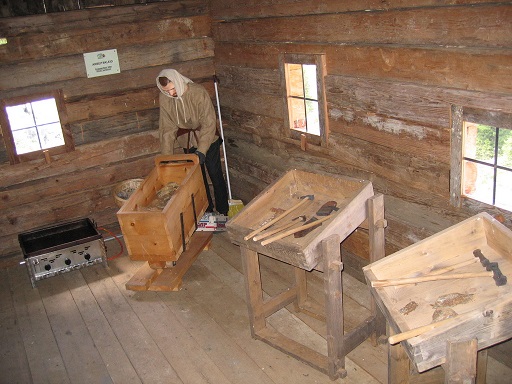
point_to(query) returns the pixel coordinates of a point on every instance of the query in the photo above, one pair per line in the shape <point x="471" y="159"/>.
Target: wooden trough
<point x="438" y="290"/>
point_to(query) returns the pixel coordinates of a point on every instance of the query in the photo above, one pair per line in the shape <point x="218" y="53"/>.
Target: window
<point x="303" y="79"/>
<point x="486" y="156"/>
<point x="34" y="124"/>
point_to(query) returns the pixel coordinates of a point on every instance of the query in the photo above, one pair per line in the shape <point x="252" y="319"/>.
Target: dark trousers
<point x="214" y="167"/>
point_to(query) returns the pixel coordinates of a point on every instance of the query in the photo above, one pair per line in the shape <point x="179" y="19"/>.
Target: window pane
<point x="505" y="148"/>
<point x="478" y="182"/>
<point x="485" y="143"/>
<point x="295" y="83"/>
<point x="45" y="111"/>
<point x="310" y="81"/>
<point x="297" y="113"/>
<point x="313" y="117"/>
<point x="51" y="135"/>
<point x="20" y="116"/>
<point x="504" y="189"/>
<point x="26" y="140"/>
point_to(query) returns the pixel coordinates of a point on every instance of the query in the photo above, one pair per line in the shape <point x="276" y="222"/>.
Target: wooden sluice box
<point x="451" y="287"/>
<point x="277" y="211"/>
<point x="164" y="233"/>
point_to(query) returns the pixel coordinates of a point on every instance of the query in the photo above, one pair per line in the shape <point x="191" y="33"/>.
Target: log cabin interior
<point x="400" y="87"/>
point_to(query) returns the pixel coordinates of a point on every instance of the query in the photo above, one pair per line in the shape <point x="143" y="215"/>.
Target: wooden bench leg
<point x="376" y="226"/>
<point x="398" y="364"/>
<point x="253" y="289"/>
<point x="333" y="289"/>
<point x="461" y="358"/>
<point x="302" y="288"/>
<point x="481" y="367"/>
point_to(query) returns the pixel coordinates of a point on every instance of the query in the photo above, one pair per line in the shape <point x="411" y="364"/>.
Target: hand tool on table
<point x="394" y="339"/>
<point x="281" y="228"/>
<point x="303" y="200"/>
<point x="325" y="210"/>
<point x="422" y="279"/>
<point x="451" y="267"/>
<point x="492" y="268"/>
<point x="498" y="276"/>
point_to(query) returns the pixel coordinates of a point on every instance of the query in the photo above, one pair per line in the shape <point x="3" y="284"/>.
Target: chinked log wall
<point x="114" y="119"/>
<point x="394" y="68"/>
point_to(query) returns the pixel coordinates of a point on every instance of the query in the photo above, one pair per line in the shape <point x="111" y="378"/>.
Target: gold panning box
<point x="349" y="194"/>
<point x="161" y="233"/>
<point x="478" y="307"/>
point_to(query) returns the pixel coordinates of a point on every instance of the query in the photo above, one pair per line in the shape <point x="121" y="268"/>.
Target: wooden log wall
<point x="114" y="119"/>
<point x="394" y="69"/>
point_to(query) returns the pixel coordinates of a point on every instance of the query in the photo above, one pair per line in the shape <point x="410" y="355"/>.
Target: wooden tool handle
<point x="452" y="267"/>
<point x="276" y="230"/>
<point x="265" y="226"/>
<point x="413" y="280"/>
<point x="292" y="231"/>
<point x="418" y="331"/>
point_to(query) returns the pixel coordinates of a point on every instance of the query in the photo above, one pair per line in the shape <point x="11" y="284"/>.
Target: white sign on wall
<point x="101" y="63"/>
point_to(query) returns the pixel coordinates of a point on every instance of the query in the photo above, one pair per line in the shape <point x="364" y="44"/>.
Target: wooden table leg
<point x="376" y="226"/>
<point x="461" y="357"/>
<point x="398" y="363"/>
<point x="253" y="289"/>
<point x="481" y="367"/>
<point x="302" y="288"/>
<point x="333" y="289"/>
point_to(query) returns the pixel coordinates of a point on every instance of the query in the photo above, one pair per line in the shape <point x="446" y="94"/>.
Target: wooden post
<point x="376" y="225"/>
<point x="461" y="357"/>
<point x="333" y="290"/>
<point x="398" y="363"/>
<point x="481" y="367"/>
<point x="252" y="277"/>
<point x="302" y="288"/>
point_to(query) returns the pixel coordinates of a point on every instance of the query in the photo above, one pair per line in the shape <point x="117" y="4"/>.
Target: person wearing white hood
<point x="188" y="121"/>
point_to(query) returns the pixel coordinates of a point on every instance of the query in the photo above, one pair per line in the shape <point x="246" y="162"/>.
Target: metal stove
<point x="62" y="248"/>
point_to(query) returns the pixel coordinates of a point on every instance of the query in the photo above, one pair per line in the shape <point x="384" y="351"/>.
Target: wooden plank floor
<point x="85" y="327"/>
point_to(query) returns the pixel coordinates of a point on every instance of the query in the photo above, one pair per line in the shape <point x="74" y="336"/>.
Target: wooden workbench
<point x="450" y="276"/>
<point x="319" y="249"/>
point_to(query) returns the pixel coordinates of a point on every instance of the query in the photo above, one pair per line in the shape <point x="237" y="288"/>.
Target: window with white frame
<point x="486" y="156"/>
<point x="303" y="79"/>
<point x="33" y="124"/>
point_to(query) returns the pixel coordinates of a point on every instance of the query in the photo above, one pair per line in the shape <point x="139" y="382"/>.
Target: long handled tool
<point x="325" y="210"/>
<point x="281" y="228"/>
<point x="422" y="279"/>
<point x="394" y="339"/>
<point x="304" y="200"/>
<point x="294" y="230"/>
<point x="234" y="205"/>
<point x="492" y="268"/>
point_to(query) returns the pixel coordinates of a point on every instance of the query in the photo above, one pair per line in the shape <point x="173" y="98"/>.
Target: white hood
<point x="179" y="81"/>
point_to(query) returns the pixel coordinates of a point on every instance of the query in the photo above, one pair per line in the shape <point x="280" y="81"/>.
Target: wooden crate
<point x="350" y="195"/>
<point x="483" y="309"/>
<point x="159" y="235"/>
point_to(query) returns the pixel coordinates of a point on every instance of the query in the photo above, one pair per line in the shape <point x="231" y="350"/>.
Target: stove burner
<point x="62" y="248"/>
